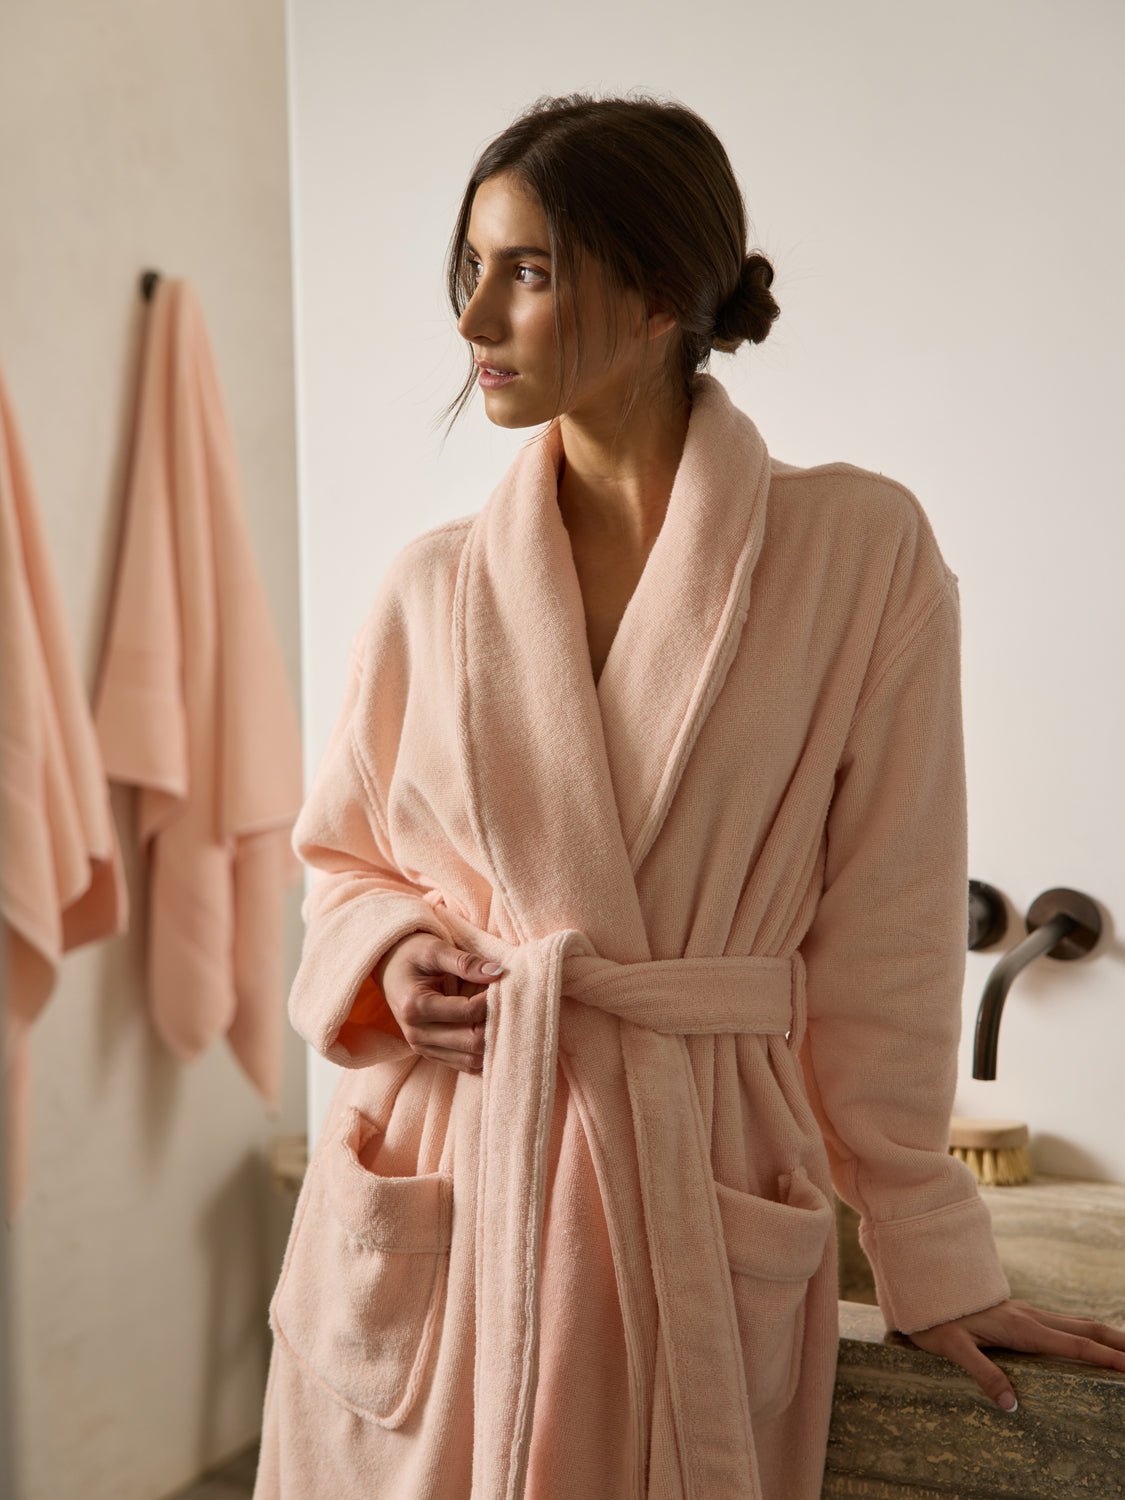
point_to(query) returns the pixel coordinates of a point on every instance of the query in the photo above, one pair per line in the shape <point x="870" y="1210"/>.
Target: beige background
<point x="932" y="183"/>
<point x="932" y="186"/>
<point x="136" y="135"/>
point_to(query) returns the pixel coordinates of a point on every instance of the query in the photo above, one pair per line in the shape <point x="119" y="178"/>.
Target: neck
<point x="614" y="484"/>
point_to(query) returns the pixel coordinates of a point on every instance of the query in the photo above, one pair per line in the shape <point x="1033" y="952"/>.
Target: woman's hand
<point x="1015" y="1324"/>
<point x="430" y="987"/>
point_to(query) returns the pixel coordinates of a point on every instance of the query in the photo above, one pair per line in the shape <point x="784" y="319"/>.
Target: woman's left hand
<point x="1015" y="1324"/>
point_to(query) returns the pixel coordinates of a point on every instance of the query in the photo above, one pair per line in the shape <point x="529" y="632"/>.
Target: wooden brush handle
<point x="987" y="1135"/>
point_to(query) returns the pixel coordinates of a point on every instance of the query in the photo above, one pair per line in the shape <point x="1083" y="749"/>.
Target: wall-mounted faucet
<point x="1061" y="923"/>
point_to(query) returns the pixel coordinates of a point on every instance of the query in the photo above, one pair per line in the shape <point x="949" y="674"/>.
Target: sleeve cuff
<point x="340" y="952"/>
<point x="935" y="1266"/>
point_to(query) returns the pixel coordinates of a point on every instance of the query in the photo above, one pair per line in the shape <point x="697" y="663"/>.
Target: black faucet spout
<point x="1000" y="982"/>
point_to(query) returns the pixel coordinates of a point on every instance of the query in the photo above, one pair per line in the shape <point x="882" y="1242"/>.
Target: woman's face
<point x="509" y="320"/>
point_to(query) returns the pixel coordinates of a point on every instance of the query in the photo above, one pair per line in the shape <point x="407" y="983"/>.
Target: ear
<point x="660" y="321"/>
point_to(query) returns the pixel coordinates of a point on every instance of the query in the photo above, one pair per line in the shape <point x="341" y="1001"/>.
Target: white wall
<point x="934" y="184"/>
<point x="136" y="135"/>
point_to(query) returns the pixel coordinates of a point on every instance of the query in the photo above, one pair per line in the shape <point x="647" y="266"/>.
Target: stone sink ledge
<point x="909" y="1424"/>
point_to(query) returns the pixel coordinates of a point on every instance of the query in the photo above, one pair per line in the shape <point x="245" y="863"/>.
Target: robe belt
<point x="663" y="1000"/>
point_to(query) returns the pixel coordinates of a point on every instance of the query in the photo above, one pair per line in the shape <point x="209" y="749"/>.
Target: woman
<point x="669" y="732"/>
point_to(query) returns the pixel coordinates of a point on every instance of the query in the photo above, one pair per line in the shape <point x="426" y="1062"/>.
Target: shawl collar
<point x="570" y="786"/>
<point x="566" y="786"/>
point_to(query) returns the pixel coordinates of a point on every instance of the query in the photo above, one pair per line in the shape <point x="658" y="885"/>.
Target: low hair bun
<point x="750" y="310"/>
<point x="644" y="188"/>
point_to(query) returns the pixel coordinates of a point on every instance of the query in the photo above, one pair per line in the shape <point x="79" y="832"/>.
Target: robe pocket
<point x="774" y="1248"/>
<point x="362" y="1289"/>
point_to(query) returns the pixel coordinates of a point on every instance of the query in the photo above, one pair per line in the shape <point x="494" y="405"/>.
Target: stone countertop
<point x="912" y="1424"/>
<point x="906" y="1423"/>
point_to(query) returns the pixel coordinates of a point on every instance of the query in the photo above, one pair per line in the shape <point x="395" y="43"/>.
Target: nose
<point x="481" y="318"/>
<point x="476" y="328"/>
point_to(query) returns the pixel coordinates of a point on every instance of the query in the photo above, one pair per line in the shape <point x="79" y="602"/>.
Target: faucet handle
<point x="988" y="915"/>
<point x="1078" y="939"/>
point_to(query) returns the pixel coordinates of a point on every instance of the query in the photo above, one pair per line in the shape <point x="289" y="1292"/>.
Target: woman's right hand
<point x="429" y="986"/>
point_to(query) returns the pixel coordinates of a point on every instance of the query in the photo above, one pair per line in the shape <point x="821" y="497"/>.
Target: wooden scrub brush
<point x="995" y="1151"/>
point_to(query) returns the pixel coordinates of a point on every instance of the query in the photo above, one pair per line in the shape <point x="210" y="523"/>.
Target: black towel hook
<point x="148" y="284"/>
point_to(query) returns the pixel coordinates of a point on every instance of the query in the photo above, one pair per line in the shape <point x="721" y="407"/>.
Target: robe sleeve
<point x="885" y="965"/>
<point x="358" y="902"/>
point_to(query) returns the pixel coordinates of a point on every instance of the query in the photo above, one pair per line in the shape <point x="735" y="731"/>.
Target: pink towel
<point x="194" y="707"/>
<point x="62" y="881"/>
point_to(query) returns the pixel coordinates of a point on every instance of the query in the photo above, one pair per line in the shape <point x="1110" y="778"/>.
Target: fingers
<point x="466" y="1039"/>
<point x="435" y="995"/>
<point x="959" y="1347"/>
<point x="458" y="1039"/>
<point x="1104" y="1333"/>
<point x="426" y="1007"/>
<point x="440" y="1022"/>
<point x="1034" y="1330"/>
<point x="463" y="1062"/>
<point x="1039" y="1336"/>
<point x="467" y="966"/>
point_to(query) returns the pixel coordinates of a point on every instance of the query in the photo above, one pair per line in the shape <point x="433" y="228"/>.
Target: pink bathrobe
<point x="729" y="884"/>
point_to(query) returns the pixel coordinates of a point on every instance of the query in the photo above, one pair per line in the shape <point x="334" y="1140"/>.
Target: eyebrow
<point x="513" y="252"/>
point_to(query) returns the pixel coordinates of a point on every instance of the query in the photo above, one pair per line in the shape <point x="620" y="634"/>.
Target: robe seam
<point x="969" y="1205"/>
<point x="841" y="466"/>
<point x="927" y="611"/>
<point x="370" y="786"/>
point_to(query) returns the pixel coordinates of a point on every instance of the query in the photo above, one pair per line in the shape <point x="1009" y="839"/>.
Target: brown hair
<point x="648" y="190"/>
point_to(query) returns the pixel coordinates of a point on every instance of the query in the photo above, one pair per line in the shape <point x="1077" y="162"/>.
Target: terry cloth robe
<point x="193" y="706"/>
<point x="62" y="878"/>
<point x="729" y="884"/>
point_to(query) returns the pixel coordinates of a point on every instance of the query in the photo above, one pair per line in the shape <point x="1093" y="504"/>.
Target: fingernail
<point x="492" y="968"/>
<point x="1008" y="1401"/>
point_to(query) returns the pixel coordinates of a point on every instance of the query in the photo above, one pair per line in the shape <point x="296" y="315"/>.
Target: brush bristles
<point x="1004" y="1167"/>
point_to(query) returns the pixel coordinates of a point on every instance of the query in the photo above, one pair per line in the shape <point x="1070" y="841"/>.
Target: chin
<point x="503" y="412"/>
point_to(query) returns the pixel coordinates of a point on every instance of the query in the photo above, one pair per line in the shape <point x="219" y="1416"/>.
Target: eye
<point x="471" y="264"/>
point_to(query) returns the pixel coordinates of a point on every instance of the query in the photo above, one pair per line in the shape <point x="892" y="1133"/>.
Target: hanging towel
<point x="62" y="882"/>
<point x="194" y="707"/>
